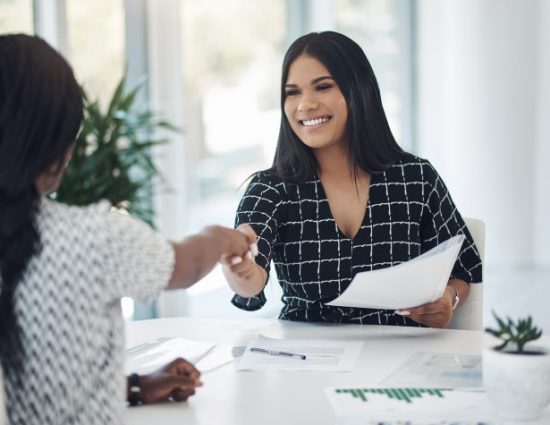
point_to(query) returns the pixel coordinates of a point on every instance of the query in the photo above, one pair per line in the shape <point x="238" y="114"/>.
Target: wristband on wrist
<point x="456" y="298"/>
<point x="134" y="390"/>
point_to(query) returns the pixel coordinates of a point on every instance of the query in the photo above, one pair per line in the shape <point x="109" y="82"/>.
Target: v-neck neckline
<point x="366" y="214"/>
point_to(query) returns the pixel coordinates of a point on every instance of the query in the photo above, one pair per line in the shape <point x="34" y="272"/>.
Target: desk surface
<point x="284" y="397"/>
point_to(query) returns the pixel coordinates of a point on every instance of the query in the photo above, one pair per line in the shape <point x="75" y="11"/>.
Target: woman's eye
<point x="291" y="92"/>
<point x="324" y="87"/>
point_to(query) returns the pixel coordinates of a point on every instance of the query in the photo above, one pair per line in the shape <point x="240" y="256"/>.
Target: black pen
<point x="277" y="353"/>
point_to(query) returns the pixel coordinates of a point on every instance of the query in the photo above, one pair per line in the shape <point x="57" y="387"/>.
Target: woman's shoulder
<point x="266" y="176"/>
<point x="414" y="167"/>
<point x="84" y="219"/>
<point x="267" y="181"/>
<point x="51" y="208"/>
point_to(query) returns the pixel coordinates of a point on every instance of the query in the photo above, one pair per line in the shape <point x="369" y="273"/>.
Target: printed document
<point x="152" y="355"/>
<point x="418" y="281"/>
<point x="444" y="370"/>
<point x="264" y="353"/>
<point x="410" y="405"/>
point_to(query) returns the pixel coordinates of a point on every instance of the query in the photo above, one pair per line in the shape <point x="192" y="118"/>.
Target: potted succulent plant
<point x="516" y="376"/>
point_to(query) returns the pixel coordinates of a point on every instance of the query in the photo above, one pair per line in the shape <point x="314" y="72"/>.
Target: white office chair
<point x="3" y="419"/>
<point x="469" y="315"/>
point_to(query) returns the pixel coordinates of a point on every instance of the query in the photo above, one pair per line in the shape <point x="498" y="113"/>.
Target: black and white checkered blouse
<point x="409" y="211"/>
<point x="67" y="308"/>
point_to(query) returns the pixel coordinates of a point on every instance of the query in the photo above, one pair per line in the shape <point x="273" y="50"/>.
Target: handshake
<point x="237" y="244"/>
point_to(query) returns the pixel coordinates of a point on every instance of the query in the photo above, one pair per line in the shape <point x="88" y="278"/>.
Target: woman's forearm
<point x="197" y="254"/>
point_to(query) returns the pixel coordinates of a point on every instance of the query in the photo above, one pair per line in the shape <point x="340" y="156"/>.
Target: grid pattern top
<point x="67" y="308"/>
<point x="409" y="211"/>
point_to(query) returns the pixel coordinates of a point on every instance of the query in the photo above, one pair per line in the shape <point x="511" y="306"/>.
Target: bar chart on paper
<point x="415" y="405"/>
<point x="406" y="395"/>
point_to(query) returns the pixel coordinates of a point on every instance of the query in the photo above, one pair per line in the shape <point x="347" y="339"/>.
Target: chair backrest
<point x="3" y="419"/>
<point x="470" y="313"/>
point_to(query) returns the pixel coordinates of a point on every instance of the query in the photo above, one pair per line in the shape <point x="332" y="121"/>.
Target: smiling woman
<point x="342" y="197"/>
<point x="314" y="104"/>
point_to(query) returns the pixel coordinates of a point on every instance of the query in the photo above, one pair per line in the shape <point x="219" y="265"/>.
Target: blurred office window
<point x="96" y="51"/>
<point x="383" y="28"/>
<point x="232" y="54"/>
<point x="96" y="44"/>
<point x="16" y="16"/>
<point x="231" y="60"/>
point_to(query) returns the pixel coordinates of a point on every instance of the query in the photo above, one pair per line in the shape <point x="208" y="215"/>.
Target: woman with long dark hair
<point x="342" y="197"/>
<point x="64" y="269"/>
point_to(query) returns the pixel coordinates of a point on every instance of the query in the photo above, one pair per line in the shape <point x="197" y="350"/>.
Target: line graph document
<point x="418" y="281"/>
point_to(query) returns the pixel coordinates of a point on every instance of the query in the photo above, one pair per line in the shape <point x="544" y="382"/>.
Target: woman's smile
<point x="314" y="122"/>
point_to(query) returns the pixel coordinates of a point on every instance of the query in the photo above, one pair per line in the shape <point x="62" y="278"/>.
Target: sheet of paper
<point x="320" y="355"/>
<point x="411" y="405"/>
<point x="444" y="370"/>
<point x="151" y="355"/>
<point x="219" y="356"/>
<point x="364" y="421"/>
<point x="410" y="284"/>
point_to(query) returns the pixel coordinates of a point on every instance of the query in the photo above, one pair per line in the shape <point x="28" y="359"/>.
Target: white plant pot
<point x="517" y="384"/>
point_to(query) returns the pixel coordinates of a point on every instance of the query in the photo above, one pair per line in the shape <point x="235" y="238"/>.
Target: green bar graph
<point x="406" y="395"/>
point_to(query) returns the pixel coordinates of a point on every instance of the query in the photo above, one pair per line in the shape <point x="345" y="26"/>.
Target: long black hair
<point x="371" y="144"/>
<point x="40" y="114"/>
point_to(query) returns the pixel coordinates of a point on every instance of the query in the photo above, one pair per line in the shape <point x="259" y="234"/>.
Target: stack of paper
<point x="416" y="282"/>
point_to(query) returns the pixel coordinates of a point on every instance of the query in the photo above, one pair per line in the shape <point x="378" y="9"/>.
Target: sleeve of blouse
<point x="258" y="208"/>
<point x="441" y="221"/>
<point x="140" y="261"/>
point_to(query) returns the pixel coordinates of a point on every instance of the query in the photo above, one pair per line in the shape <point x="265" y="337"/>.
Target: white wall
<point x="541" y="220"/>
<point x="483" y="96"/>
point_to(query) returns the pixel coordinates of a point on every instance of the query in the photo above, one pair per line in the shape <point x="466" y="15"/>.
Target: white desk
<point x="290" y="398"/>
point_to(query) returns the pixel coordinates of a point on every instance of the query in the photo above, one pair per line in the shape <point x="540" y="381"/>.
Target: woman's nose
<point x="307" y="104"/>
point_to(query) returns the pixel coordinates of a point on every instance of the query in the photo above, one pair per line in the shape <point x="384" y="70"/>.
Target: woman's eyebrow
<point x="314" y="81"/>
<point x="324" y="77"/>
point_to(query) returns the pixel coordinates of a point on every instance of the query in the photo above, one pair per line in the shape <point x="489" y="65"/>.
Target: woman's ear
<point x="49" y="180"/>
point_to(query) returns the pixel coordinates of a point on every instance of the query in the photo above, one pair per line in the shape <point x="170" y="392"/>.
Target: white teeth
<point x="315" y="121"/>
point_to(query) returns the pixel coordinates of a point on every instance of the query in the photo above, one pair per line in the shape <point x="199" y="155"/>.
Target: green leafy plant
<point x="517" y="333"/>
<point x="111" y="158"/>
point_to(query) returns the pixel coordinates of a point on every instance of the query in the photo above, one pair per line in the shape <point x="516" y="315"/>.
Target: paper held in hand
<point x="418" y="281"/>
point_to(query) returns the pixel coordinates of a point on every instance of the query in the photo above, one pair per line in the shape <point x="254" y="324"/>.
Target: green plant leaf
<point x="518" y="332"/>
<point x="112" y="154"/>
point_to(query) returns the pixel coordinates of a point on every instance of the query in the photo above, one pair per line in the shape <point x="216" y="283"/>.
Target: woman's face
<point x="314" y="105"/>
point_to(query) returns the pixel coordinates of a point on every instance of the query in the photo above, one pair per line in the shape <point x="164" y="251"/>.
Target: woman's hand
<point x="229" y="258"/>
<point x="176" y="381"/>
<point x="437" y="314"/>
<point x="244" y="276"/>
<point x="243" y="267"/>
